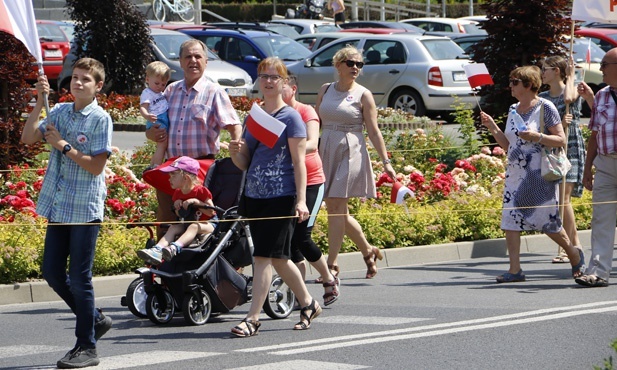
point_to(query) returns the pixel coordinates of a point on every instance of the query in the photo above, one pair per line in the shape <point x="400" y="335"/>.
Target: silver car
<point x="418" y="74"/>
<point x="166" y="48"/>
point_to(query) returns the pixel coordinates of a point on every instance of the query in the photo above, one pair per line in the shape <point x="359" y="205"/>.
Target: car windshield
<point x="444" y="49"/>
<point x="580" y="51"/>
<point x="326" y="28"/>
<point x="473" y="29"/>
<point x="169" y="45"/>
<point x="282" y="47"/>
<point x="283" y="29"/>
<point x="50" y="32"/>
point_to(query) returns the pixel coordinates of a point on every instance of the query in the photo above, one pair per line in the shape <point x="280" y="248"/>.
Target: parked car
<point x="434" y="24"/>
<point x="605" y="38"/>
<point x="55" y="46"/>
<point x="166" y="48"/>
<point x="305" y="26"/>
<point x="418" y="74"/>
<point x="245" y="49"/>
<point x="314" y="41"/>
<point x="374" y="31"/>
<point x="281" y="29"/>
<point x="383" y="24"/>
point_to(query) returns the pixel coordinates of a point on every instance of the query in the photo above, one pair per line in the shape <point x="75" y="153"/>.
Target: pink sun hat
<point x="186" y="164"/>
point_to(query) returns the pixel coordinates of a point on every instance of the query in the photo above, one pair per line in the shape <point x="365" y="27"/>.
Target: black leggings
<point x="302" y="245"/>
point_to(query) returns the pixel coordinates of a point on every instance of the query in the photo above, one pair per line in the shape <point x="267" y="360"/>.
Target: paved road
<point x="434" y="316"/>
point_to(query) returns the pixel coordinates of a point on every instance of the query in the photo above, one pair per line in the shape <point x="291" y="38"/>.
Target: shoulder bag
<point x="555" y="163"/>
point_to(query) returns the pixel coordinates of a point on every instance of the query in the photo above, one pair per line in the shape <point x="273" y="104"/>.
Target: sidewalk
<point x="431" y="254"/>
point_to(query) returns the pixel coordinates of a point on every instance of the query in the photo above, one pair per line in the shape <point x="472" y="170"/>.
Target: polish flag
<point x="588" y="55"/>
<point x="17" y="18"/>
<point x="263" y="126"/>
<point x="477" y="74"/>
<point x="398" y="193"/>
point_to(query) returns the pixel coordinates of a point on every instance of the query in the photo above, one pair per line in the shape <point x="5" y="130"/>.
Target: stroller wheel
<point x="136" y="298"/>
<point x="197" y="307"/>
<point x="281" y="299"/>
<point x="160" y="307"/>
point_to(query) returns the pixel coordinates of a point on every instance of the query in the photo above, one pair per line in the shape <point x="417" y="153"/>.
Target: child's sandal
<point x="305" y="320"/>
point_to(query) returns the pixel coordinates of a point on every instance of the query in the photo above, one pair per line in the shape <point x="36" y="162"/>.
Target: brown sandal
<point x="331" y="296"/>
<point x="334" y="270"/>
<point x="371" y="262"/>
<point x="305" y="320"/>
<point x="251" y="328"/>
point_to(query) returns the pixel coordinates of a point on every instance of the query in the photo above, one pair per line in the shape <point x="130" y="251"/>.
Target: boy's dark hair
<point x="93" y="66"/>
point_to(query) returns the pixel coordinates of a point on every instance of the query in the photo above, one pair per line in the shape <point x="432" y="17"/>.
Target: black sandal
<point x="252" y="327"/>
<point x="331" y="296"/>
<point x="305" y="319"/>
<point x="592" y="281"/>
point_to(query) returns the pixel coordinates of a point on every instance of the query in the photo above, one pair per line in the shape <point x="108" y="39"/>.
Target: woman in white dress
<point x="529" y="201"/>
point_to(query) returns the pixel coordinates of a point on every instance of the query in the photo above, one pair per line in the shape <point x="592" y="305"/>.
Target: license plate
<point x="53" y="53"/>
<point x="459" y="76"/>
<point x="236" y="91"/>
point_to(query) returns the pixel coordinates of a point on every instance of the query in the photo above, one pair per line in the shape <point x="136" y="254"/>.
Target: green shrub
<point x="21" y="249"/>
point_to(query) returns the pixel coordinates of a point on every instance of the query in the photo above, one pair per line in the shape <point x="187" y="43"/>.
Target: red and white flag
<point x="595" y="11"/>
<point x="17" y="18"/>
<point x="263" y="126"/>
<point x="588" y="55"/>
<point x="398" y="193"/>
<point x="478" y="75"/>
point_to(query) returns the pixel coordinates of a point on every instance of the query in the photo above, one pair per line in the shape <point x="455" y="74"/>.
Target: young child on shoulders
<point x="189" y="192"/>
<point x="153" y="105"/>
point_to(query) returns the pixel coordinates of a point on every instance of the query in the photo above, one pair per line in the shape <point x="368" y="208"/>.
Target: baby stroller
<point x="205" y="279"/>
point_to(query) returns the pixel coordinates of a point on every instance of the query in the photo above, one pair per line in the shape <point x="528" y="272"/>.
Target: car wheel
<point x="158" y="8"/>
<point x="408" y="101"/>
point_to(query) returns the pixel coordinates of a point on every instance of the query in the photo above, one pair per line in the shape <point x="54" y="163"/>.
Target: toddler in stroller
<point x="207" y="279"/>
<point x="189" y="197"/>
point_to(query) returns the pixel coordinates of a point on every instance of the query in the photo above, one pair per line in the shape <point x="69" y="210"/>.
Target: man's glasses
<point x="273" y="78"/>
<point x="515" y="81"/>
<point x="604" y="64"/>
<point x="544" y="69"/>
<point x="351" y="63"/>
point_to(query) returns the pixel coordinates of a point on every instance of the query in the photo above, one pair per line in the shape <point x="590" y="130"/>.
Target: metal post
<point x="383" y="11"/>
<point x="443" y="8"/>
<point x="354" y="10"/>
<point x="470" y="7"/>
<point x="274" y="7"/>
<point x="428" y="8"/>
<point x="198" y="12"/>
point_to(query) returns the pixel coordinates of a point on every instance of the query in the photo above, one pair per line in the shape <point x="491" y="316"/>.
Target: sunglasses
<point x="515" y="81"/>
<point x="351" y="63"/>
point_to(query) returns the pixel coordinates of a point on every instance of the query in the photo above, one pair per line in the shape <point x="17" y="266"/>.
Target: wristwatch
<point x="386" y="161"/>
<point x="67" y="148"/>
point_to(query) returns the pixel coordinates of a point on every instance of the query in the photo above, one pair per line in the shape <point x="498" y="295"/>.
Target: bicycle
<point x="183" y="8"/>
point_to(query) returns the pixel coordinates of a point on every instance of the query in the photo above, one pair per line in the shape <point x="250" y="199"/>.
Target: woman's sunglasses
<point x="351" y="63"/>
<point x="515" y="81"/>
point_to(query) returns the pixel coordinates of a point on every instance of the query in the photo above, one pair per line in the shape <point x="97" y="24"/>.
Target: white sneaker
<point x="152" y="256"/>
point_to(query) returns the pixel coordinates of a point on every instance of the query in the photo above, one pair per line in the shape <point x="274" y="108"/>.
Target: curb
<point x="109" y="286"/>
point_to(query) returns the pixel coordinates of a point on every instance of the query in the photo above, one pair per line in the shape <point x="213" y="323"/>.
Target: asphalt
<point x="109" y="286"/>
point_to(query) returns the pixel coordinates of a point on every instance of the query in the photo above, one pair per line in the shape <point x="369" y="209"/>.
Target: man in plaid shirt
<point x="602" y="153"/>
<point x="198" y="109"/>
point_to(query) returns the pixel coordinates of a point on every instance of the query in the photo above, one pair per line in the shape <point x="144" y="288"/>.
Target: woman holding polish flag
<point x="272" y="152"/>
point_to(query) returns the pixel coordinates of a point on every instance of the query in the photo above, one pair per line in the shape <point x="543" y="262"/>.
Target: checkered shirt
<point x="196" y="117"/>
<point x="70" y="194"/>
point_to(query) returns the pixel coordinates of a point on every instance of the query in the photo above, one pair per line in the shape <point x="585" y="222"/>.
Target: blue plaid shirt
<point x="71" y="194"/>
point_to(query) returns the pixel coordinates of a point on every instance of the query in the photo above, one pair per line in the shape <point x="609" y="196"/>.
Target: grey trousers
<point x="604" y="217"/>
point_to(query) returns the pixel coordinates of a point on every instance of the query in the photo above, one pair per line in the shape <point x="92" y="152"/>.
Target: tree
<point x="15" y="67"/>
<point x="116" y="34"/>
<point x="519" y="33"/>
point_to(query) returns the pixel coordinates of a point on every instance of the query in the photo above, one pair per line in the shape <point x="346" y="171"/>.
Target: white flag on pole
<point x="17" y="18"/>
<point x="604" y="11"/>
